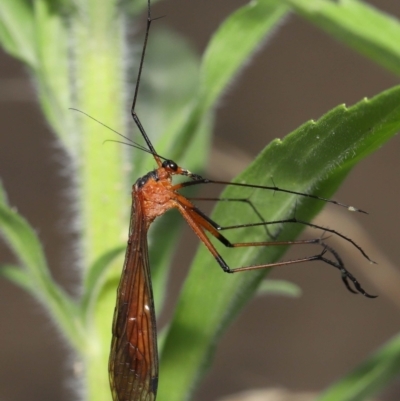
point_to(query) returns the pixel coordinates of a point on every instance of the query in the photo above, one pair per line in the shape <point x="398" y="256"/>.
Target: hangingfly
<point x="133" y="364"/>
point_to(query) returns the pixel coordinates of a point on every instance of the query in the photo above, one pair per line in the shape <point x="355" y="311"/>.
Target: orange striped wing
<point x="133" y="364"/>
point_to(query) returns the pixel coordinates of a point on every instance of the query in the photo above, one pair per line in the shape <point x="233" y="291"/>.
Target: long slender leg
<point x="295" y="220"/>
<point x="270" y="188"/>
<point x="241" y="200"/>
<point x="199" y="224"/>
<point x="292" y="220"/>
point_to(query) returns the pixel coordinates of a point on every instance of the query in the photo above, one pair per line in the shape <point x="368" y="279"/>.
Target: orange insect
<point x="133" y="364"/>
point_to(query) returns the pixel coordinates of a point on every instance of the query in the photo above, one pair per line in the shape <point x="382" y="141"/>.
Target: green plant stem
<point x="99" y="55"/>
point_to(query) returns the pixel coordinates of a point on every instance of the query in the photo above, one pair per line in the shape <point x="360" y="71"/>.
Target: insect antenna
<point x="132" y="143"/>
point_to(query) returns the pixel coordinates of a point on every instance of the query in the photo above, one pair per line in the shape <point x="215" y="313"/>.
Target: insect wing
<point x="133" y="364"/>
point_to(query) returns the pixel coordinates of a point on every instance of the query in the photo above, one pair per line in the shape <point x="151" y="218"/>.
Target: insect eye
<point x="170" y="164"/>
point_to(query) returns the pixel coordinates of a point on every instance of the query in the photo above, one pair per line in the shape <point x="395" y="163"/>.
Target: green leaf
<point x="17" y="30"/>
<point x="95" y="279"/>
<point x="3" y="195"/>
<point x="23" y="242"/>
<point x="279" y="287"/>
<point x="359" y="25"/>
<point x="368" y="378"/>
<point x="313" y="159"/>
<point x="18" y="276"/>
<point x="36" y="275"/>
<point x="53" y="70"/>
<point x="228" y="51"/>
<point x="233" y="44"/>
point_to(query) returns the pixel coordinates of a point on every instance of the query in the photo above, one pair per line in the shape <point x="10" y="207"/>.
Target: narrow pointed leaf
<point x="23" y="242"/>
<point x="95" y="279"/>
<point x="279" y="287"/>
<point x="18" y="276"/>
<point x="359" y="25"/>
<point x="370" y="377"/>
<point x="17" y="30"/>
<point x="230" y="49"/>
<point x="25" y="245"/>
<point x="313" y="159"/>
<point x="54" y="70"/>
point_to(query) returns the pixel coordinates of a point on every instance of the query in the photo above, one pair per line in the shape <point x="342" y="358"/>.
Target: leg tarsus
<point x="346" y="275"/>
